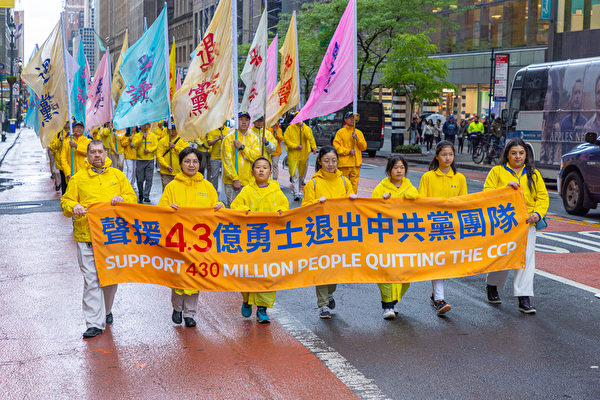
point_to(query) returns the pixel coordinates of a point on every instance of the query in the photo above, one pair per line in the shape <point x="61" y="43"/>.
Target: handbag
<point x="541" y="224"/>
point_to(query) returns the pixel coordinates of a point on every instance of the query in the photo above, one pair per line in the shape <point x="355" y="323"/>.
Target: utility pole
<point x="492" y="64"/>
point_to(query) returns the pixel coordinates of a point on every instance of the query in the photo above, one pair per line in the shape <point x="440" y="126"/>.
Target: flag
<point x="7" y="3"/>
<point x="117" y="80"/>
<point x="272" y="65"/>
<point x="204" y="100"/>
<point x="145" y="70"/>
<point x="45" y="75"/>
<point x="331" y="90"/>
<point x="178" y="80"/>
<point x="286" y="94"/>
<point x="32" y="118"/>
<point x="253" y="74"/>
<point x="80" y="83"/>
<point x="100" y="43"/>
<point x="172" y="70"/>
<point x="98" y="109"/>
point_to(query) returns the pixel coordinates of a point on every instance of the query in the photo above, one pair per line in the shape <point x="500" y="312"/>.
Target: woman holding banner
<point x="517" y="170"/>
<point x="327" y="183"/>
<point x="188" y="189"/>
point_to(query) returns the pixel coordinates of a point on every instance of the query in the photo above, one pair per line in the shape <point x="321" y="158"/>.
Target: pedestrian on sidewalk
<point x="261" y="194"/>
<point x="462" y="133"/>
<point x="328" y="182"/>
<point x="517" y="169"/>
<point x="350" y="143"/>
<point x="443" y="181"/>
<point x="145" y="143"/>
<point x="299" y="142"/>
<point x="167" y="155"/>
<point x="450" y="129"/>
<point x="96" y="182"/>
<point x="428" y="133"/>
<point x="395" y="185"/>
<point x="437" y="128"/>
<point x="188" y="189"/>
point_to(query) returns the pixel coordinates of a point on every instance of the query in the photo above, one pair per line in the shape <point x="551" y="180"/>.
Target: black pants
<point x="429" y="141"/>
<point x="461" y="142"/>
<point x="143" y="173"/>
<point x="63" y="182"/>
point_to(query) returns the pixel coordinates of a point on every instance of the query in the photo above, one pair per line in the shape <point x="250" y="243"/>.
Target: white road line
<point x="568" y="282"/>
<point x="573" y="242"/>
<point x="362" y="386"/>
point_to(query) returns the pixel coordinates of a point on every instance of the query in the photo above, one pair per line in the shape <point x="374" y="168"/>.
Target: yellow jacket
<point x="87" y="187"/>
<point x="115" y="139"/>
<point x="344" y="142"/>
<point x="215" y="149"/>
<point x="475" y="127"/>
<point x="537" y="201"/>
<point x="106" y="136"/>
<point x="129" y="151"/>
<point x="245" y="157"/>
<point x="202" y="143"/>
<point x="186" y="191"/>
<point x="328" y="185"/>
<point x="56" y="147"/>
<point x="295" y="136"/>
<point x="96" y="133"/>
<point x="406" y="189"/>
<point x="266" y="149"/>
<point x="436" y="184"/>
<point x="169" y="157"/>
<point x="278" y="134"/>
<point x="253" y="198"/>
<point x="79" y="155"/>
<point x="150" y="143"/>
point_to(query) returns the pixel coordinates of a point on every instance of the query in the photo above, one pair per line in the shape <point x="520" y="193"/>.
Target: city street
<point x="476" y="351"/>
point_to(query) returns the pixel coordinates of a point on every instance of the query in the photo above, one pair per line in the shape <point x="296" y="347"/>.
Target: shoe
<point x="57" y="188"/>
<point x="246" y="309"/>
<point x="525" y="305"/>
<point x="331" y="303"/>
<point x="176" y="317"/>
<point x="190" y="322"/>
<point x="492" y="294"/>
<point x="389" y="313"/>
<point x="296" y="198"/>
<point x="146" y="200"/>
<point x="92" y="332"/>
<point x="109" y="319"/>
<point x="324" y="312"/>
<point x="440" y="306"/>
<point x="262" y="316"/>
<point x="140" y="200"/>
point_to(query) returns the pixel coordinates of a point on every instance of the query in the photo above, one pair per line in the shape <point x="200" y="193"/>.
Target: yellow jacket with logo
<point x="129" y="151"/>
<point x="79" y="155"/>
<point x="215" y="149"/>
<point x="186" y="191"/>
<point x="330" y="185"/>
<point x="254" y="198"/>
<point x="406" y="189"/>
<point x="245" y="157"/>
<point x="278" y="134"/>
<point x="150" y="143"/>
<point x="344" y="142"/>
<point x="266" y="149"/>
<point x="87" y="187"/>
<point x="169" y="157"/>
<point x="299" y="136"/>
<point x="437" y="184"/>
<point x="537" y="199"/>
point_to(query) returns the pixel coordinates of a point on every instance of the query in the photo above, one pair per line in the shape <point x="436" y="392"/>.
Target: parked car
<point x="371" y="123"/>
<point x="579" y="177"/>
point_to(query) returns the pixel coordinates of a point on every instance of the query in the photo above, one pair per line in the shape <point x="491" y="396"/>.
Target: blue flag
<point x="145" y="70"/>
<point x="79" y="90"/>
<point x="32" y="118"/>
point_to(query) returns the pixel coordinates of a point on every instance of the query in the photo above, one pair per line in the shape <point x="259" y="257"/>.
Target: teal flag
<point x="79" y="90"/>
<point x="145" y="70"/>
<point x="32" y="118"/>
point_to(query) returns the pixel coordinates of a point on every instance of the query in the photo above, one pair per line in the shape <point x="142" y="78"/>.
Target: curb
<point x="4" y="151"/>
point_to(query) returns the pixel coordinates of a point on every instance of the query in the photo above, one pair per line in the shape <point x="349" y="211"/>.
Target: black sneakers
<point x="331" y="302"/>
<point x="525" y="305"/>
<point x="109" y="318"/>
<point x="189" y="322"/>
<point x="440" y="306"/>
<point x="92" y="332"/>
<point x="176" y="317"/>
<point x="492" y="294"/>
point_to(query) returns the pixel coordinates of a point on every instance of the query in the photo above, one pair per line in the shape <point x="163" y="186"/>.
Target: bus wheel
<point x="572" y="194"/>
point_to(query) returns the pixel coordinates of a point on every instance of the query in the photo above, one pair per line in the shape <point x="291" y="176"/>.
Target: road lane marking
<point x="577" y="242"/>
<point x="574" y="221"/>
<point x="363" y="387"/>
<point x="569" y="282"/>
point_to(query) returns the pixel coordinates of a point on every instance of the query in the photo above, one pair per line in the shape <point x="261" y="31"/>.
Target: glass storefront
<point x="577" y="15"/>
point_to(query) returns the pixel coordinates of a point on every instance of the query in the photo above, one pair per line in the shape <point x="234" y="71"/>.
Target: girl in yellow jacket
<point x="395" y="185"/>
<point x="443" y="181"/>
<point x="261" y="194"/>
<point x="517" y="170"/>
<point x="327" y="183"/>
<point x="188" y="189"/>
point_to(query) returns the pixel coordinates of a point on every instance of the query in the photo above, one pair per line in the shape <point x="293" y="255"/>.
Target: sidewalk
<point x="5" y="147"/>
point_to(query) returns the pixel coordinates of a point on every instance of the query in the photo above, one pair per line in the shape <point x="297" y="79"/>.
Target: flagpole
<point x="234" y="55"/>
<point x="354" y="74"/>
<point x="167" y="62"/>
<point x="266" y="28"/>
<point x="297" y="61"/>
<point x="64" y="44"/>
<point x="110" y="102"/>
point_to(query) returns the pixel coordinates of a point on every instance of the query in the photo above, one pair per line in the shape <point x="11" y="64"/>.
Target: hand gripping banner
<point x="339" y="241"/>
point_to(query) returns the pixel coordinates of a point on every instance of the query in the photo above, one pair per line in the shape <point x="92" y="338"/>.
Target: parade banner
<point x="339" y="241"/>
<point x="98" y="109"/>
<point x="118" y="84"/>
<point x="172" y="70"/>
<point x="272" y="64"/>
<point x="204" y="100"/>
<point x="80" y="84"/>
<point x="253" y="74"/>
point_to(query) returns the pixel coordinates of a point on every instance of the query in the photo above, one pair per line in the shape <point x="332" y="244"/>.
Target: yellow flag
<point x="204" y="100"/>
<point x="118" y="84"/>
<point x="286" y="94"/>
<point x="173" y="70"/>
<point x="7" y="3"/>
<point x="45" y="75"/>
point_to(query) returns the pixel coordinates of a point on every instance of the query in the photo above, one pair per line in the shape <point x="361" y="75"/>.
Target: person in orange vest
<point x="350" y="143"/>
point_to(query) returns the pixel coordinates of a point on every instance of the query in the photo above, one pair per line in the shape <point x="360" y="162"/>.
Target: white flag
<point x="253" y="74"/>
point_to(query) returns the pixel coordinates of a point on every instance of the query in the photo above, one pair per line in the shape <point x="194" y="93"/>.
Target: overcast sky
<point x="40" y="18"/>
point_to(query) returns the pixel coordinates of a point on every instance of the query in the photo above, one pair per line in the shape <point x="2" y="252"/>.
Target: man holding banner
<point x="97" y="182"/>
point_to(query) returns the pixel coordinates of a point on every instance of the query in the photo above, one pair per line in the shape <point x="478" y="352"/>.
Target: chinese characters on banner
<point x="342" y="240"/>
<point x="98" y="108"/>
<point x="254" y="73"/>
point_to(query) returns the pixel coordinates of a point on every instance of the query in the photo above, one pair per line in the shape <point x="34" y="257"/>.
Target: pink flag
<point x="178" y="80"/>
<point x="272" y="65"/>
<point x="331" y="90"/>
<point x="98" y="108"/>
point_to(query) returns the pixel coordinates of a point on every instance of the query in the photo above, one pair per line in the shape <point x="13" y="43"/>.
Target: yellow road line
<point x="573" y="221"/>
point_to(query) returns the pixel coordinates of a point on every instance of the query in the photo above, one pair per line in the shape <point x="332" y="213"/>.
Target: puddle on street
<point x="7" y="184"/>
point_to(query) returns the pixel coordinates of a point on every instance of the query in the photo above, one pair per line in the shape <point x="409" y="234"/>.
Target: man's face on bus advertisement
<point x="576" y="95"/>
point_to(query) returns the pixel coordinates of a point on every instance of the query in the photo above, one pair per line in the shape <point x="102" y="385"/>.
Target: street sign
<point x="501" y="77"/>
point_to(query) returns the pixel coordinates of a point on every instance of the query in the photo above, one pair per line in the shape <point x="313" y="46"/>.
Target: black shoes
<point x="525" y="305"/>
<point x="92" y="332"/>
<point x="146" y="200"/>
<point x="140" y="200"/>
<point x="190" y="322"/>
<point x="109" y="319"/>
<point x="441" y="307"/>
<point x="331" y="303"/>
<point x="176" y="317"/>
<point x="492" y="294"/>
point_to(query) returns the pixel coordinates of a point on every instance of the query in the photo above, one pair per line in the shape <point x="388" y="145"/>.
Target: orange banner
<point x="340" y="241"/>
